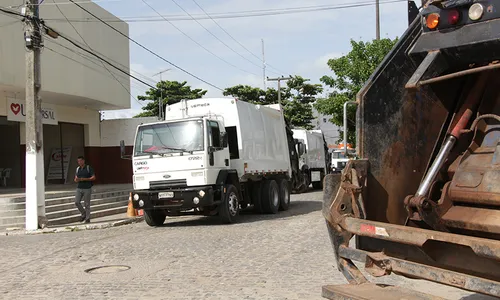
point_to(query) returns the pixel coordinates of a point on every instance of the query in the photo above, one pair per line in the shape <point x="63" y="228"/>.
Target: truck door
<point x="218" y="155"/>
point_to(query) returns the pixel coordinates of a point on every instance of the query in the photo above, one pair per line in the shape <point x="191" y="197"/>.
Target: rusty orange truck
<point x="423" y="199"/>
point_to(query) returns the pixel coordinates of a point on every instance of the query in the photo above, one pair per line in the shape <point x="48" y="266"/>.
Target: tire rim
<point x="275" y="197"/>
<point x="233" y="204"/>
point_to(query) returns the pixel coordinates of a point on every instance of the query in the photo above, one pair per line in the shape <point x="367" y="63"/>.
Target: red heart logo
<point x="16" y="108"/>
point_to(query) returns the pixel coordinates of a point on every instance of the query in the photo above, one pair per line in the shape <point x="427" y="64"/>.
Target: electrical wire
<point x="147" y="49"/>
<point x="228" y="34"/>
<point x="85" y="42"/>
<point x="239" y="14"/>
<point x="216" y="37"/>
<point x="197" y="43"/>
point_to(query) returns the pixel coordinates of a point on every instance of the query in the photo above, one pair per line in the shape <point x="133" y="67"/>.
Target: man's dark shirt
<point x="85" y="172"/>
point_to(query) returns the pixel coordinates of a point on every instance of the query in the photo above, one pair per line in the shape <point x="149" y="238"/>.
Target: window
<point x="167" y="138"/>
<point x="232" y="140"/>
<point x="214" y="134"/>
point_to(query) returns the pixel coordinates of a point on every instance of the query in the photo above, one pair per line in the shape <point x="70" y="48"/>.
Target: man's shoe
<point x="82" y="218"/>
<point x="85" y="221"/>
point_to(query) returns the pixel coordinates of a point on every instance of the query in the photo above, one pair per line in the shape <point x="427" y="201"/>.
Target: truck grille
<point x="162" y="184"/>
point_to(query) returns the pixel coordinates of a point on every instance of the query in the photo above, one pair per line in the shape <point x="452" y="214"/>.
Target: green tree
<point x="296" y="98"/>
<point x="169" y="92"/>
<point x="350" y="74"/>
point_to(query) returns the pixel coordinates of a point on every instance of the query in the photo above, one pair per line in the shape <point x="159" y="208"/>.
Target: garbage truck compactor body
<point x="423" y="200"/>
<point x="214" y="157"/>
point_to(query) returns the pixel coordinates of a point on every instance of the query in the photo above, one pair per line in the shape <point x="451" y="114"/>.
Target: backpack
<point x="88" y="170"/>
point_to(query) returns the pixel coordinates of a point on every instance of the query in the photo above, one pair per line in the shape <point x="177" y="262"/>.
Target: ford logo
<point x="166" y="176"/>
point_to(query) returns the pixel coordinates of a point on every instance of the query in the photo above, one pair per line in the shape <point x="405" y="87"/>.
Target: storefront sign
<point x="16" y="111"/>
<point x="56" y="166"/>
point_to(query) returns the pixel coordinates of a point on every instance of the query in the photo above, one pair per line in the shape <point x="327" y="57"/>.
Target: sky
<point x="295" y="44"/>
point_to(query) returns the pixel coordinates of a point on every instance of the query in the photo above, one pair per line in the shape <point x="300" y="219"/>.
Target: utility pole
<point x="160" y="102"/>
<point x="263" y="65"/>
<point x="279" y="79"/>
<point x="35" y="189"/>
<point x="377" y="18"/>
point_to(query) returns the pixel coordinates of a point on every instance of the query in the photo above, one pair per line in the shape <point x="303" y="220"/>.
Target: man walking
<point x="84" y="177"/>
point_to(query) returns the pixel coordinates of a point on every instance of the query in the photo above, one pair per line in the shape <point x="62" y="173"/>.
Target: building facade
<point x="75" y="87"/>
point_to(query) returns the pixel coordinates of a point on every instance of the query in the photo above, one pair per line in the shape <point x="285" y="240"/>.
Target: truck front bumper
<point x="175" y="199"/>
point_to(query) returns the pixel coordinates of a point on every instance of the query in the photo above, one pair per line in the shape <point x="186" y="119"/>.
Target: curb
<point x="75" y="227"/>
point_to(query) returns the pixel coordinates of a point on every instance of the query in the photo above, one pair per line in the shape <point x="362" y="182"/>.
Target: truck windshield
<point x="161" y="139"/>
<point x="338" y="155"/>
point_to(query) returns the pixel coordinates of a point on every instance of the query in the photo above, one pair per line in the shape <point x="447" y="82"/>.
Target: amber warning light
<point x="432" y="21"/>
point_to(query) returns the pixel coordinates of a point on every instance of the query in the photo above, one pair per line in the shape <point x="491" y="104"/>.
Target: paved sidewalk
<point x="97" y="223"/>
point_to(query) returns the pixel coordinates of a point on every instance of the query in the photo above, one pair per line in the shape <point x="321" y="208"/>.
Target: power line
<point x="85" y="42"/>
<point x="215" y="36"/>
<point x="222" y="28"/>
<point x="238" y="14"/>
<point x="197" y="43"/>
<point x="147" y="49"/>
<point x="92" y="60"/>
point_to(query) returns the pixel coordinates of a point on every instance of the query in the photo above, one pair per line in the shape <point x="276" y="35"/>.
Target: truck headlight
<point x="138" y="178"/>
<point x="197" y="174"/>
<point x="201" y="193"/>
<point x="476" y="11"/>
<point x="136" y="197"/>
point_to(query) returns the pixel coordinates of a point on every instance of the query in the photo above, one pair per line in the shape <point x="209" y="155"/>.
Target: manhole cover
<point x="107" y="269"/>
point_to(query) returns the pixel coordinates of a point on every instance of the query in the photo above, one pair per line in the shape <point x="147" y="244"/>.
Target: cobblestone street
<point x="285" y="256"/>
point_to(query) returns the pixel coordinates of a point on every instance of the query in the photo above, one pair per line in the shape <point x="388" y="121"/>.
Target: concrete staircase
<point x="60" y="207"/>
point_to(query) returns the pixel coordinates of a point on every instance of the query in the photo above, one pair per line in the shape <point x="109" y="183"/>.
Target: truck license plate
<point x="166" y="195"/>
<point x="315" y="176"/>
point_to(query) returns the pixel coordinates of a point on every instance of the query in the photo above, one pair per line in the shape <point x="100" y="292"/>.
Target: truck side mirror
<point x="122" y="148"/>
<point x="224" y="139"/>
<point x="301" y="148"/>
<point x="122" y="151"/>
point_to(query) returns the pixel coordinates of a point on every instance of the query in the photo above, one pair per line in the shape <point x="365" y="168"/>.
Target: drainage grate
<point x="107" y="269"/>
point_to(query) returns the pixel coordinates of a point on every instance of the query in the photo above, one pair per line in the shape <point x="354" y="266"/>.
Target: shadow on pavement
<point x="297" y="208"/>
<point x="477" y="297"/>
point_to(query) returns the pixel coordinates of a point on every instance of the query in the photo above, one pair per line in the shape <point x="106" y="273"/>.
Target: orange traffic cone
<point x="130" y="209"/>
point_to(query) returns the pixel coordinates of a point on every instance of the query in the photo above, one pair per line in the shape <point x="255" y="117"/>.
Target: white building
<point x="74" y="89"/>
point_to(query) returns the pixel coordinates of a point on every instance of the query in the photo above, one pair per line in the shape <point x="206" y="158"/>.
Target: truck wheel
<point x="256" y="196"/>
<point x="270" y="197"/>
<point x="230" y="206"/>
<point x="284" y="194"/>
<point x="154" y="218"/>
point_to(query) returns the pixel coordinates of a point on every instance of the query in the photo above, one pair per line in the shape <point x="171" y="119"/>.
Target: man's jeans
<point x="85" y="194"/>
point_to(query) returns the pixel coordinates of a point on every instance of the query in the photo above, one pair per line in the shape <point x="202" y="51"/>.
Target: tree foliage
<point x="169" y="92"/>
<point x="350" y="74"/>
<point x="296" y="97"/>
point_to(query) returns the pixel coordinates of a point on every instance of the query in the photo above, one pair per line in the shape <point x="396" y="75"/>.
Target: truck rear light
<point x="432" y="20"/>
<point x="453" y="17"/>
<point x="476" y="11"/>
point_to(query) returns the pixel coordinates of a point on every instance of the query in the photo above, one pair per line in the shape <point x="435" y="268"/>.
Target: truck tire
<point x="257" y="196"/>
<point x="285" y="190"/>
<point x="230" y="206"/>
<point x="270" y="197"/>
<point x="154" y="218"/>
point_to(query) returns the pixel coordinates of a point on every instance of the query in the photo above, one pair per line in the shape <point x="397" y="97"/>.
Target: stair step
<point x="93" y="215"/>
<point x="93" y="203"/>
<point x="18" y="209"/>
<point x="11" y="221"/>
<point x="74" y="211"/>
<point x="64" y="197"/>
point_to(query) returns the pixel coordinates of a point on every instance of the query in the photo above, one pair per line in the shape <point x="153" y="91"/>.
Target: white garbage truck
<point x="314" y="162"/>
<point x="214" y="156"/>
